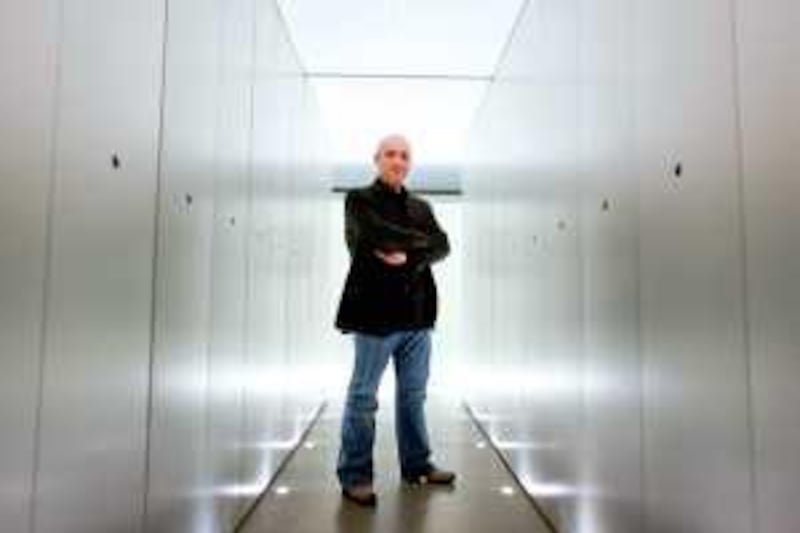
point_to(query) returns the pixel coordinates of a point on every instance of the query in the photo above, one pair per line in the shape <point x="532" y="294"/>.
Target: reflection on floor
<point x="306" y="497"/>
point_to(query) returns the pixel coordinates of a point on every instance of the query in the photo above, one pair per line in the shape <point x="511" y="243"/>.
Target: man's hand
<point x="392" y="258"/>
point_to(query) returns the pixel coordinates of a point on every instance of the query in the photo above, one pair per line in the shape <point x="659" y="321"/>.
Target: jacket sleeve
<point x="366" y="229"/>
<point x="437" y="246"/>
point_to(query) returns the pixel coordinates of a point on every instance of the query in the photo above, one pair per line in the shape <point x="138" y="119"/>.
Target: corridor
<point x="617" y="347"/>
<point x="305" y="496"/>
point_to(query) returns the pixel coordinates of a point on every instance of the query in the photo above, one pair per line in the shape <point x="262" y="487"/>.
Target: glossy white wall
<point x="239" y="181"/>
<point x="28" y="59"/>
<point x="769" y="78"/>
<point x="160" y="183"/>
<point x="93" y="401"/>
<point x="627" y="263"/>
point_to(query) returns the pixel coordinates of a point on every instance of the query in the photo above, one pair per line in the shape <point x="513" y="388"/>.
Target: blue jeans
<point x="411" y="350"/>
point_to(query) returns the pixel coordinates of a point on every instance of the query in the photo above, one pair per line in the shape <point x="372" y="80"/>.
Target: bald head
<point x="393" y="160"/>
<point x="394" y="140"/>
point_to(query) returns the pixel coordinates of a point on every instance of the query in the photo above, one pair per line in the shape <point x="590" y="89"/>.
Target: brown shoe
<point x="361" y="494"/>
<point x="434" y="476"/>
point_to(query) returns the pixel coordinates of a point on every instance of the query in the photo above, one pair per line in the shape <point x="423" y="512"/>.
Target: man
<point x="389" y="302"/>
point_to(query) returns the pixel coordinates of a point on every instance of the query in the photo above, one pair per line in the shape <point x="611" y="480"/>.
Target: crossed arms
<point x="366" y="230"/>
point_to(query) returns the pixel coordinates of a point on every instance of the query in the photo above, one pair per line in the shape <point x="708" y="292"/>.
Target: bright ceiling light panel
<point x="434" y="37"/>
<point x="435" y="115"/>
<point x="417" y="67"/>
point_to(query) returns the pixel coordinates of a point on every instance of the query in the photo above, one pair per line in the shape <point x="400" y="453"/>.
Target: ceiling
<point x="438" y="37"/>
<point x="418" y="67"/>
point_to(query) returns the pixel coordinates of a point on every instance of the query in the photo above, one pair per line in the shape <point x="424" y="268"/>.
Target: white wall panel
<point x="228" y="261"/>
<point x="769" y="77"/>
<point x="96" y="346"/>
<point x="92" y="187"/>
<point x="695" y="380"/>
<point x="266" y="323"/>
<point x="180" y="485"/>
<point x="685" y="325"/>
<point x="29" y="34"/>
<point x="529" y="279"/>
<point x="610" y="462"/>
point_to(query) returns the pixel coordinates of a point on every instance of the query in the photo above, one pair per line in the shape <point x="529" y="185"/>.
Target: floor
<point x="306" y="497"/>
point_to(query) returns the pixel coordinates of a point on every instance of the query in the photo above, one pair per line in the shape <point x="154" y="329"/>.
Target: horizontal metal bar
<point x="388" y="76"/>
<point x="416" y="190"/>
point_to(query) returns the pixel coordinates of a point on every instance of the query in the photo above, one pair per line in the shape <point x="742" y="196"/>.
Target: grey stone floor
<point x="306" y="497"/>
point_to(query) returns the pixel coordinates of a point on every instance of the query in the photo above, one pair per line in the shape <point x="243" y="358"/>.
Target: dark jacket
<point x="378" y="298"/>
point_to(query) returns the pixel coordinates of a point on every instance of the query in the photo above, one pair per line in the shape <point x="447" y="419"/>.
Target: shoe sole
<point x="371" y="501"/>
<point x="422" y="480"/>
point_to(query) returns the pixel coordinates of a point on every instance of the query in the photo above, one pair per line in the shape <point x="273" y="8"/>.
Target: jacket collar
<point x="381" y="187"/>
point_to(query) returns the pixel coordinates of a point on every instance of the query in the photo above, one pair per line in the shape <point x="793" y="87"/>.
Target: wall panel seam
<point x="744" y="271"/>
<point x="154" y="272"/>
<point x="55" y="120"/>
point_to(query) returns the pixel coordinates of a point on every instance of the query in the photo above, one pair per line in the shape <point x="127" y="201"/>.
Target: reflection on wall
<point x="629" y="268"/>
<point x="165" y="250"/>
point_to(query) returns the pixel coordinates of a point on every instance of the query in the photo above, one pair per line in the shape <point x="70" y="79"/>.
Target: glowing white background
<point x="435" y="115"/>
<point x="451" y="37"/>
<point x="362" y="39"/>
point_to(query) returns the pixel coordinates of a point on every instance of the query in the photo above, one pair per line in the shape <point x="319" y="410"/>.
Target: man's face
<point x="393" y="161"/>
